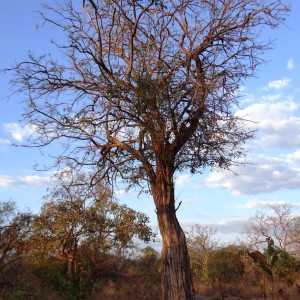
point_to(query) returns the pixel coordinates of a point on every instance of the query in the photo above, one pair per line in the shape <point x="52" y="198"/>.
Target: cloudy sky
<point x="219" y="199"/>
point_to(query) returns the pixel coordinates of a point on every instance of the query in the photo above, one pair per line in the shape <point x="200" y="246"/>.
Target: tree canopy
<point x="145" y="81"/>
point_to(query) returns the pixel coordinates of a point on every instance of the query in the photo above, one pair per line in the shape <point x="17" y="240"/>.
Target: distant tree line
<point x="83" y="245"/>
<point x="264" y="263"/>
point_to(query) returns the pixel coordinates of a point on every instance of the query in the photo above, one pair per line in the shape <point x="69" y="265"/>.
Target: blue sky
<point x="221" y="200"/>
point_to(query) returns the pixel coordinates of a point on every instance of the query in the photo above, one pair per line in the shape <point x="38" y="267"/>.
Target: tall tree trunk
<point x="71" y="266"/>
<point x="177" y="281"/>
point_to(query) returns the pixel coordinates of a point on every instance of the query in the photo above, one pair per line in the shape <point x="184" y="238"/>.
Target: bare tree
<point x="201" y="242"/>
<point x="145" y="90"/>
<point x="279" y="224"/>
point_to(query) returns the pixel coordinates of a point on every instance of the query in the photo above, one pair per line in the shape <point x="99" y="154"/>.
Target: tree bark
<point x="71" y="266"/>
<point x="176" y="273"/>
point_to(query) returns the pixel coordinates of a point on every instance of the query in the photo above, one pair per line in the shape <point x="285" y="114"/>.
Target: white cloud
<point x="246" y="99"/>
<point x="277" y="123"/>
<point x="120" y="192"/>
<point x="182" y="180"/>
<point x="7" y="181"/>
<point x="190" y="200"/>
<point x="225" y="226"/>
<point x="271" y="98"/>
<point x="264" y="175"/>
<point x="18" y="132"/>
<point x="293" y="158"/>
<point x="259" y="204"/>
<point x="290" y="64"/>
<point x="261" y="111"/>
<point x="3" y="143"/>
<point x="24" y="181"/>
<point x="232" y="225"/>
<point x="279" y="84"/>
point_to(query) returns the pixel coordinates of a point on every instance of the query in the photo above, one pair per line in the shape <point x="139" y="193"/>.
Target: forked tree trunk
<point x="176" y="273"/>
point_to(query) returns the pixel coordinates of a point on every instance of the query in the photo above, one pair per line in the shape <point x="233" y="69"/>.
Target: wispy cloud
<point x="190" y="200"/>
<point x="278" y="125"/>
<point x="231" y="225"/>
<point x="290" y="64"/>
<point x="271" y="97"/>
<point x="182" y="179"/>
<point x="24" y="181"/>
<point x="261" y="204"/>
<point x="264" y="175"/>
<point x="18" y="132"/>
<point x="277" y="122"/>
<point x="120" y="192"/>
<point x="279" y="84"/>
<point x="293" y="158"/>
<point x="4" y="143"/>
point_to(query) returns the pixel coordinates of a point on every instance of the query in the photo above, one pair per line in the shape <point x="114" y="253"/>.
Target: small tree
<point x="145" y="90"/>
<point x="276" y="263"/>
<point x="201" y="242"/>
<point x="145" y="274"/>
<point x="73" y="216"/>
<point x="288" y="268"/>
<point x="280" y="224"/>
<point x="226" y="267"/>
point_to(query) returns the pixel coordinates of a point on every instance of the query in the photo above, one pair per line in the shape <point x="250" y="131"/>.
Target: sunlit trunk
<point x="176" y="273"/>
<point x="71" y="266"/>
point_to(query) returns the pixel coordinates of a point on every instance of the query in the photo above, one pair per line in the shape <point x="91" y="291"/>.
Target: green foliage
<point x="225" y="264"/>
<point x="18" y="295"/>
<point x="261" y="259"/>
<point x="277" y="264"/>
<point x="14" y="233"/>
<point x="146" y="274"/>
<point x="287" y="268"/>
<point x="52" y="274"/>
<point x="149" y="263"/>
<point x="98" y="236"/>
<point x="225" y="267"/>
<point x="268" y="259"/>
<point x="75" y="222"/>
